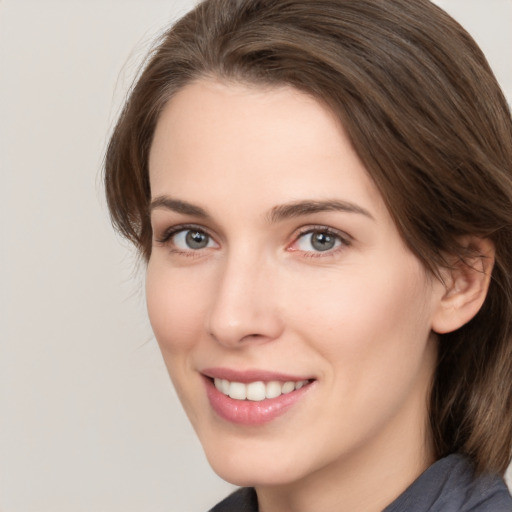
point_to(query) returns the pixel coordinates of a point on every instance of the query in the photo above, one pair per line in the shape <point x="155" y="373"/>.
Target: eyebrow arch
<point x="177" y="206"/>
<point x="300" y="208"/>
<point x="276" y="214"/>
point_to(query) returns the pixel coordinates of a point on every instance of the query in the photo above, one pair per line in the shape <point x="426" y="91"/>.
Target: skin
<point x="357" y="318"/>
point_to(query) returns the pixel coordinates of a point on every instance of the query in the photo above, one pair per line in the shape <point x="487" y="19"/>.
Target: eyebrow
<point x="276" y="214"/>
<point x="300" y="208"/>
<point x="178" y="206"/>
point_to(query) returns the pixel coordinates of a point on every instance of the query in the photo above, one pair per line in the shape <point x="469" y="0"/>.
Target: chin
<point x="247" y="474"/>
<point x="251" y="463"/>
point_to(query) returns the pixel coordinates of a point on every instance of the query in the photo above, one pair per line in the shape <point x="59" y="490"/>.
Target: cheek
<point x="374" y="333"/>
<point x="174" y="308"/>
<point x="371" y="317"/>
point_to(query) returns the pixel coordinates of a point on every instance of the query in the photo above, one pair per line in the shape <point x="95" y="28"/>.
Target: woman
<point x="322" y="191"/>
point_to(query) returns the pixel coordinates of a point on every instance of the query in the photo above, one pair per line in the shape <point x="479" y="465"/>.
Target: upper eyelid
<point x="169" y="232"/>
<point x="345" y="239"/>
<point x="322" y="228"/>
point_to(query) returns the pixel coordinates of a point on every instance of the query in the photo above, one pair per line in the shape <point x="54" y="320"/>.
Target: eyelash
<point x="169" y="233"/>
<point x="344" y="239"/>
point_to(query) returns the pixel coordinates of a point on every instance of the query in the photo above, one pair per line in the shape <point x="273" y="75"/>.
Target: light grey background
<point x="88" y="418"/>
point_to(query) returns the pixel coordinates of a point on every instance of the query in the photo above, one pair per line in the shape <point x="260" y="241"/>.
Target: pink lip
<point x="246" y="412"/>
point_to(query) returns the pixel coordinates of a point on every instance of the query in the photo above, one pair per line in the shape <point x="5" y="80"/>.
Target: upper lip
<point x="250" y="375"/>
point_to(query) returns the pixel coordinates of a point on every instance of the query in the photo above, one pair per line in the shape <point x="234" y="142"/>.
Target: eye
<point x="191" y="239"/>
<point x="186" y="239"/>
<point x="318" y="240"/>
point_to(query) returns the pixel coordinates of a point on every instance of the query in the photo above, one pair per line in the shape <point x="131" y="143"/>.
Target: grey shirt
<point x="449" y="485"/>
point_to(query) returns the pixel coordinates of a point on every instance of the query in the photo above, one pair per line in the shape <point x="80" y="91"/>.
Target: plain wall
<point x="88" y="418"/>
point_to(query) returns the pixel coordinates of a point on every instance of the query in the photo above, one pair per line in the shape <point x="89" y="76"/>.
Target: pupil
<point x="196" y="240"/>
<point x="322" y="241"/>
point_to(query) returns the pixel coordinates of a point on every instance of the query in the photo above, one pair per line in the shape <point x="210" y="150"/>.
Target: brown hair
<point x="426" y="116"/>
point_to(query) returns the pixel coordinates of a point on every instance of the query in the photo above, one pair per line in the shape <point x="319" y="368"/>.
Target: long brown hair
<point x="425" y="114"/>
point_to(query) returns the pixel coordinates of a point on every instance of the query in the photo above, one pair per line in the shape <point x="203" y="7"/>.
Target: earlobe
<point x="465" y="287"/>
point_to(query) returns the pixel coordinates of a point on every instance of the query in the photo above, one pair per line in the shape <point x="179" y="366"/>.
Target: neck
<point x="372" y="475"/>
<point x="365" y="482"/>
<point x="362" y="485"/>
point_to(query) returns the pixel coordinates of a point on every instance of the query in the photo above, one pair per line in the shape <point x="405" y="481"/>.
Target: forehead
<point x="212" y="112"/>
<point x="234" y="139"/>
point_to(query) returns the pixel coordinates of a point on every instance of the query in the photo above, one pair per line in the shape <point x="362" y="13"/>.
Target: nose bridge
<point x="244" y="305"/>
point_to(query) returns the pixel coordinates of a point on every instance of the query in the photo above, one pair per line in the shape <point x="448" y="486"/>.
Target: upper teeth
<point x="257" y="391"/>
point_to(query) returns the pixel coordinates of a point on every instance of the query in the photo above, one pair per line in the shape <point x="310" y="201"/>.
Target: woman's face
<point x="277" y="270"/>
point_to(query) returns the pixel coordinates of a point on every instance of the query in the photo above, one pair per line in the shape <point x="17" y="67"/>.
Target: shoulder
<point x="450" y="485"/>
<point x="242" y="500"/>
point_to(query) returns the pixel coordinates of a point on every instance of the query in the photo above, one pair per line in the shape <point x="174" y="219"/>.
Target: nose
<point x="245" y="306"/>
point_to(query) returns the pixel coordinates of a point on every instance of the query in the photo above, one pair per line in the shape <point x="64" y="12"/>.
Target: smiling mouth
<point x="253" y="397"/>
<point x="258" y="390"/>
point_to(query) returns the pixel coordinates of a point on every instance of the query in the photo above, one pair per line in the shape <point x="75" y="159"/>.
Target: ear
<point x="466" y="284"/>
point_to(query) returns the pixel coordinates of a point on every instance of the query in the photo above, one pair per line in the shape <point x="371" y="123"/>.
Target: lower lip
<point x="247" y="412"/>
